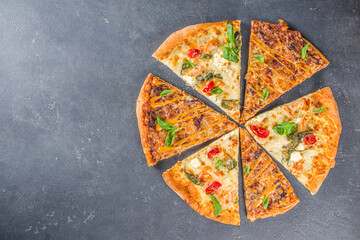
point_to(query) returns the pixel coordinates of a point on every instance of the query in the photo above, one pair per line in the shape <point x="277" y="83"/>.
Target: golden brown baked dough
<point x="197" y="122"/>
<point x="282" y="68"/>
<point x="263" y="179"/>
<point x="311" y="155"/>
<point x="210" y="178"/>
<point x="202" y="45"/>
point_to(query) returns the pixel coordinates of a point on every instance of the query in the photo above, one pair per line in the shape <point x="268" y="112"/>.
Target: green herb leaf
<point x="170" y="138"/>
<point x="235" y="51"/>
<point x="217" y="206"/>
<point x="164" y="125"/>
<point x="166" y="92"/>
<point x="284" y="128"/>
<point x="319" y="110"/>
<point x="207" y="77"/>
<point x="295" y="140"/>
<point x="218" y="165"/>
<point x="230" y="32"/>
<point x="186" y="65"/>
<point x="247" y="169"/>
<point x="229" y="55"/>
<point x="237" y="40"/>
<point x="231" y="164"/>
<point x="266" y="202"/>
<point x="259" y="57"/>
<point x="304" y="50"/>
<point x="206" y="56"/>
<point x="218" y="75"/>
<point x="229" y="104"/>
<point x="191" y="177"/>
<point x="216" y="90"/>
<point x="190" y="64"/>
<point x="265" y="94"/>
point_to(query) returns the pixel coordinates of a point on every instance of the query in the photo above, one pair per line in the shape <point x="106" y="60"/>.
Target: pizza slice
<point x="266" y="190"/>
<point x="207" y="57"/>
<point x="171" y="121"/>
<point x="302" y="135"/>
<point x="279" y="59"/>
<point x="208" y="180"/>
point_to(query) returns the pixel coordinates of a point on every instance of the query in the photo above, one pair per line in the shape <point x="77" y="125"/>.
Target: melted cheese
<point x="199" y="164"/>
<point x="230" y="71"/>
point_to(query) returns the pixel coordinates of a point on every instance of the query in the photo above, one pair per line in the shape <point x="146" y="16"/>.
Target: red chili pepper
<point x="260" y="132"/>
<point x="213" y="187"/>
<point x="209" y="87"/>
<point x="310" y="139"/>
<point x="213" y="152"/>
<point x="193" y="53"/>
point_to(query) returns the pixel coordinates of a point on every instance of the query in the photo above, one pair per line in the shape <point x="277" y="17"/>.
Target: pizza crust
<point x="182" y="35"/>
<point x="142" y="111"/>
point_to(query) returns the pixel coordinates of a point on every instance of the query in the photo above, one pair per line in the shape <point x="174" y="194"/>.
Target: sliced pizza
<point x="207" y="57"/>
<point x="171" y="121"/>
<point x="208" y="180"/>
<point x="302" y="135"/>
<point x="279" y="59"/>
<point x="266" y="190"/>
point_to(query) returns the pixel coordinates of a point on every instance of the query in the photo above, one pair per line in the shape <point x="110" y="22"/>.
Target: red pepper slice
<point x="213" y="152"/>
<point x="260" y="132"/>
<point x="193" y="53"/>
<point x="209" y="87"/>
<point x="310" y="139"/>
<point x="213" y="187"/>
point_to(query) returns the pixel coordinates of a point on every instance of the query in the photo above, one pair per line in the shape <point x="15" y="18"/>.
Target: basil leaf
<point x="192" y="178"/>
<point x="166" y="92"/>
<point x="206" y="56"/>
<point x="207" y="77"/>
<point x="247" y="169"/>
<point x="164" y="125"/>
<point x="218" y="75"/>
<point x="230" y="32"/>
<point x="304" y="50"/>
<point x="235" y="51"/>
<point x="218" y="165"/>
<point x="265" y="94"/>
<point x="229" y="55"/>
<point x="231" y="164"/>
<point x="170" y="138"/>
<point x="217" y="206"/>
<point x="259" y="57"/>
<point x="216" y="90"/>
<point x="229" y="104"/>
<point x="190" y="64"/>
<point x="284" y="128"/>
<point x="319" y="110"/>
<point x="265" y="202"/>
<point x="295" y="140"/>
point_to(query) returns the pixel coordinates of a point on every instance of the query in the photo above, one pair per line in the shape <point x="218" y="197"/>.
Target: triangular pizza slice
<point x="207" y="57"/>
<point x="279" y="59"/>
<point x="266" y="190"/>
<point x="171" y="121"/>
<point x="302" y="135"/>
<point x="208" y="180"/>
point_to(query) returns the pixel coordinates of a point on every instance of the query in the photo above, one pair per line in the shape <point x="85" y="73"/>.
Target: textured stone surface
<point x="71" y="163"/>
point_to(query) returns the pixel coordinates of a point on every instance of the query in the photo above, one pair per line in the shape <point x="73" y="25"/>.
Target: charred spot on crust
<point x="257" y="153"/>
<point x="152" y="119"/>
<point x="197" y="121"/>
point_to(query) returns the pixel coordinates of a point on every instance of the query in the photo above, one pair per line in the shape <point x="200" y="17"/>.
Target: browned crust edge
<point x="246" y="135"/>
<point x="184" y="191"/>
<point x="242" y="119"/>
<point x="179" y="36"/>
<point x="327" y="98"/>
<point x="144" y="97"/>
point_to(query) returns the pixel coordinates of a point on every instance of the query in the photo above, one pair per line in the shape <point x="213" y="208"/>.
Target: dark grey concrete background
<point x="71" y="162"/>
